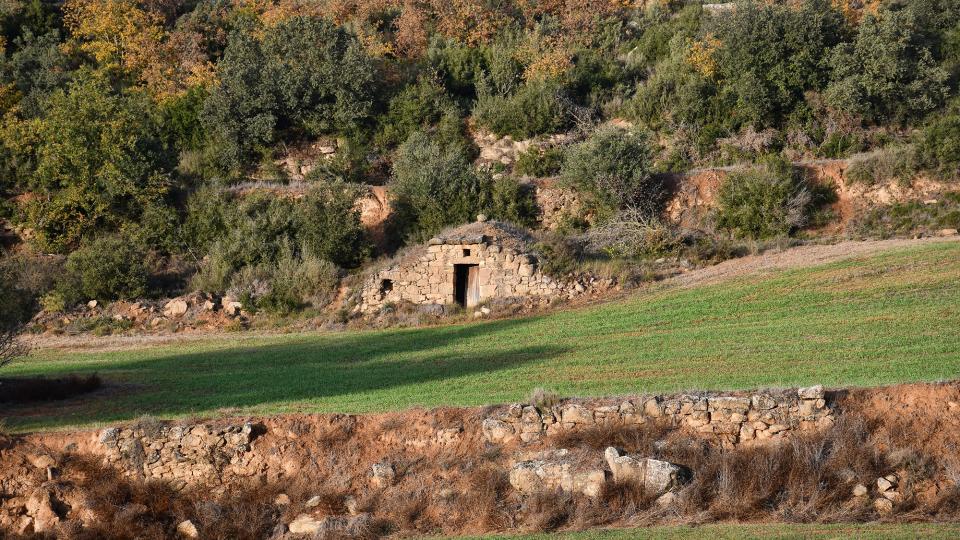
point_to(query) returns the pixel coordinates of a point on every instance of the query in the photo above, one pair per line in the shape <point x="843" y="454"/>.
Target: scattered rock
<point x="884" y="484"/>
<point x="947" y="232"/>
<point x="42" y="461"/>
<point x="883" y="506"/>
<point x="859" y="490"/>
<point x="313" y="502"/>
<point x="231" y="307"/>
<point x="556" y="469"/>
<point x="382" y="475"/>
<point x="282" y="500"/>
<point x="45" y="510"/>
<point x="305" y="524"/>
<point x="92" y="304"/>
<point x="811" y="392"/>
<point x="175" y="308"/>
<point x="497" y="431"/>
<point x="654" y="475"/>
<point x="187" y="529"/>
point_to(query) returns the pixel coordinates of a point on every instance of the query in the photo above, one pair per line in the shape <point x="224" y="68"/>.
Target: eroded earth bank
<point x="796" y="455"/>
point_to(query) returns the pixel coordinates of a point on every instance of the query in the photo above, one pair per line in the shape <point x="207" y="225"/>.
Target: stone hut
<point x="468" y="265"/>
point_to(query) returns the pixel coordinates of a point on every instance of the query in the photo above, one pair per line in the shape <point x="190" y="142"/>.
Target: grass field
<point x="869" y="531"/>
<point x="884" y="319"/>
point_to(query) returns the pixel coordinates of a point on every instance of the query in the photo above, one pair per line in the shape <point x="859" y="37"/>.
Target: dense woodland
<point x="125" y="123"/>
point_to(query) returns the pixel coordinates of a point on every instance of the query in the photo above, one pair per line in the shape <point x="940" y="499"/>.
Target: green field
<point x="883" y="319"/>
<point x="768" y="531"/>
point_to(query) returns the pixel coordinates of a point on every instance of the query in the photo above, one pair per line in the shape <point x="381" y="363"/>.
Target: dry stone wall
<point x="728" y="418"/>
<point x="505" y="270"/>
<point x="182" y="454"/>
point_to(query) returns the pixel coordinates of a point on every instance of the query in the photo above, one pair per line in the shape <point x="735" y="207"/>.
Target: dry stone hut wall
<point x="504" y="264"/>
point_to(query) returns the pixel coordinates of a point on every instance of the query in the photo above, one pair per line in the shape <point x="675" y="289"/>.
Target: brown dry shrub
<point x="639" y="439"/>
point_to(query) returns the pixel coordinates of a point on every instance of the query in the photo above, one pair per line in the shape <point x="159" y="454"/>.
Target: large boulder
<point x="656" y="476"/>
<point x="175" y="308"/>
<point x="557" y="470"/>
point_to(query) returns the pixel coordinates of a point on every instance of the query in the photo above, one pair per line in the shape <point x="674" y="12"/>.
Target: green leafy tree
<point x="770" y="54"/>
<point x="887" y="73"/>
<point x="304" y="76"/>
<point x="96" y="159"/>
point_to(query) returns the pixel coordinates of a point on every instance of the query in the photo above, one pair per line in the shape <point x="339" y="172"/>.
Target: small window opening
<point x="386" y="286"/>
<point x="466" y="252"/>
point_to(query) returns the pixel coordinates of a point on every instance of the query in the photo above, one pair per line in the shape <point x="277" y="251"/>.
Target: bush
<point x="539" y="162"/>
<point x="897" y="163"/>
<point x="631" y="233"/>
<point x="328" y="225"/>
<point x="303" y="75"/>
<point x="938" y="148"/>
<point x="513" y="202"/>
<point x="613" y="169"/>
<point x="767" y="201"/>
<point x="435" y="186"/>
<point x="535" y="108"/>
<point x="95" y="156"/>
<point x="109" y="268"/>
<point x="771" y="54"/>
<point x="560" y="255"/>
<point x="297" y="282"/>
<point x="420" y="106"/>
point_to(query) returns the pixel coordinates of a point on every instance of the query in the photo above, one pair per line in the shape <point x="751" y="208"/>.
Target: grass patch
<point x="884" y="319"/>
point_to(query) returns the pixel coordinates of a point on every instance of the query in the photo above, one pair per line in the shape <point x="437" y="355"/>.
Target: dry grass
<point x="805" y="479"/>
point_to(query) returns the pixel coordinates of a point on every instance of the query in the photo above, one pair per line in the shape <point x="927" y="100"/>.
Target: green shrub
<point x="897" y="163"/>
<point x="297" y="282"/>
<point x="108" y="268"/>
<point x="328" y="225"/>
<point x="539" y="162"/>
<point x="458" y="64"/>
<point x="613" y="168"/>
<point x="767" y="201"/>
<point x="513" y="202"/>
<point x="96" y="158"/>
<point x="535" y="108"/>
<point x="420" y="106"/>
<point x="435" y="186"/>
<point x="771" y="54"/>
<point x="304" y="75"/>
<point x="560" y="255"/>
<point x="938" y="147"/>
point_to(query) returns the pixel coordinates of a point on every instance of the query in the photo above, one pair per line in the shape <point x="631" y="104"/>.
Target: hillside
<point x="873" y="319"/>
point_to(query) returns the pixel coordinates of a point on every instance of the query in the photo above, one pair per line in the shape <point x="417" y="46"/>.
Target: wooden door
<point x="473" y="286"/>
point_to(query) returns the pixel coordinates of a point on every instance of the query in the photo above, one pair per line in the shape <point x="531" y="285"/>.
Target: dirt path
<point x="797" y="257"/>
<point x="762" y="264"/>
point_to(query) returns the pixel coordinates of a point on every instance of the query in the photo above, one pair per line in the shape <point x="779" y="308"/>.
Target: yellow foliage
<point x="854" y="10"/>
<point x="122" y="36"/>
<point x="702" y="55"/>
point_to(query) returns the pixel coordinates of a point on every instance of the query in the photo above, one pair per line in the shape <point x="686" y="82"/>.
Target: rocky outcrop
<point x="736" y="418"/>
